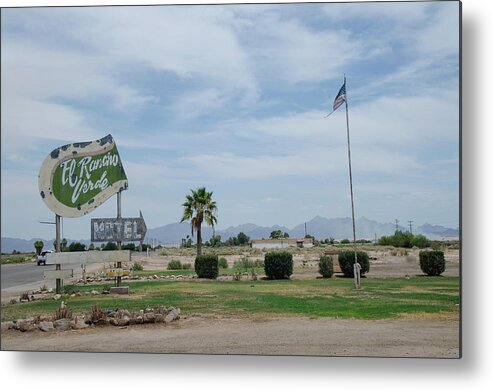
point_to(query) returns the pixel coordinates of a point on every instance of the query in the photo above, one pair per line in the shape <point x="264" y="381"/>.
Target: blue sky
<point x="233" y="97"/>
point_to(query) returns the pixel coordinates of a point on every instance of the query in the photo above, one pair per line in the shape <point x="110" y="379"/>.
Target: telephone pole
<point x="411" y="226"/>
<point x="396" y="224"/>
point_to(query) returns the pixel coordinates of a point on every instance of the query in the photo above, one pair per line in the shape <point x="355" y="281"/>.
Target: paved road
<point x="17" y="278"/>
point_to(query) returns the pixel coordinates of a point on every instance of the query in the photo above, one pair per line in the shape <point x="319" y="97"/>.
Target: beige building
<point x="282" y="243"/>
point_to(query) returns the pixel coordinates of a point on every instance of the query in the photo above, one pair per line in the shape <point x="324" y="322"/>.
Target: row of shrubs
<point x="279" y="265"/>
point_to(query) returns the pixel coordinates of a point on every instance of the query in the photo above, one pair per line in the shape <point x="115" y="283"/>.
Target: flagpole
<point x="356" y="264"/>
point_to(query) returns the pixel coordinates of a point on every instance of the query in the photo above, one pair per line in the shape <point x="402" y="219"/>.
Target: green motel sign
<point x="76" y="178"/>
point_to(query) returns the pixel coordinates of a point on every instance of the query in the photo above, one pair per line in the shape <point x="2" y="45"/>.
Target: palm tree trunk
<point x="199" y="239"/>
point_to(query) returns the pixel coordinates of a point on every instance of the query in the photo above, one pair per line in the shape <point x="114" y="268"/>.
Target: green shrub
<point x="76" y="247"/>
<point x="175" y="264"/>
<point x="421" y="241"/>
<point x="223" y="263"/>
<point x="137" y="267"/>
<point x="110" y="246"/>
<point x="346" y="262"/>
<point x="186" y="266"/>
<point x="432" y="263"/>
<point x="70" y="289"/>
<point x="278" y="265"/>
<point x="326" y="267"/>
<point x="206" y="266"/>
<point x="399" y="240"/>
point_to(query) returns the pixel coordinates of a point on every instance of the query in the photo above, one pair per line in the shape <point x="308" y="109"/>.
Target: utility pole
<point x="411" y="226"/>
<point x="305" y="229"/>
<point x="396" y="224"/>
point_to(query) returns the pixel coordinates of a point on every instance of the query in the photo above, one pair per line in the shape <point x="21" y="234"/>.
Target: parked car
<point x="42" y="257"/>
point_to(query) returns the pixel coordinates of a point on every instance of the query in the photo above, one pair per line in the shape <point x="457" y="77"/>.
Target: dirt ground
<point x="257" y="336"/>
<point x="406" y="337"/>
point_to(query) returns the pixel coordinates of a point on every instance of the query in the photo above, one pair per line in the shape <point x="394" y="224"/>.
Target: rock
<point x="114" y="321"/>
<point x="50" y="290"/>
<point x="79" y="323"/>
<point x="124" y="321"/>
<point x="7" y="325"/>
<point x="94" y="292"/>
<point x="62" y="324"/>
<point x="13" y="301"/>
<point x="169" y="317"/>
<point x="149" y="318"/>
<point x="57" y="297"/>
<point x="139" y="320"/>
<point x="159" y="318"/>
<point x="173" y="314"/>
<point x="25" y="325"/>
<point x="46" y="326"/>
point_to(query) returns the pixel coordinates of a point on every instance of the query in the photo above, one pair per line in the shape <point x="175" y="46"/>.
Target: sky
<point x="234" y="98"/>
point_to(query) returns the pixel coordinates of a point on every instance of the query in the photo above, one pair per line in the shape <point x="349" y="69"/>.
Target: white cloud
<point x="194" y="104"/>
<point x="397" y="12"/>
<point x="404" y="121"/>
<point x="285" y="49"/>
<point x="307" y="162"/>
<point x="188" y="41"/>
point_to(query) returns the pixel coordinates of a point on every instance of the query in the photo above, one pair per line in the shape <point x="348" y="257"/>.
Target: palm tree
<point x="38" y="245"/>
<point x="199" y="207"/>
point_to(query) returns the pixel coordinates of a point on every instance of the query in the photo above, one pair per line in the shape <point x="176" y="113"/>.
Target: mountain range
<point x="319" y="227"/>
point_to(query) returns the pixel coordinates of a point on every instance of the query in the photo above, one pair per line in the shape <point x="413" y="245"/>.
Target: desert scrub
<point x="137" y="267"/>
<point x="175" y="264"/>
<point x="223" y="263"/>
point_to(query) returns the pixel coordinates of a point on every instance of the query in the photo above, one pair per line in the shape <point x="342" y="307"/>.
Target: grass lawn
<point x="336" y="297"/>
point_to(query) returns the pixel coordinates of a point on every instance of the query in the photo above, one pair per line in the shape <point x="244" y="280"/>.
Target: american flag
<point x="340" y="98"/>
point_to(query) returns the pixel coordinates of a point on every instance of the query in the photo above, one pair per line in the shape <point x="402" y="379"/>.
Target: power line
<point x="411" y="226"/>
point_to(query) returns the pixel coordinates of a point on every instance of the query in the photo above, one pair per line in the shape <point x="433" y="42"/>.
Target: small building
<point x="270" y="243"/>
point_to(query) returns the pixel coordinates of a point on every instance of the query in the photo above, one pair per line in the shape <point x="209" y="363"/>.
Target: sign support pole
<point x="58" y="249"/>
<point x="119" y="243"/>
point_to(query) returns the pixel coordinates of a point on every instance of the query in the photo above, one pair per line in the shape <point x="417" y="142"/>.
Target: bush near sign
<point x="118" y="229"/>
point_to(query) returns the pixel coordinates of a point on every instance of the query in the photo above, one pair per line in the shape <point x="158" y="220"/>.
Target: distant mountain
<point x="436" y="231"/>
<point x="319" y="227"/>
